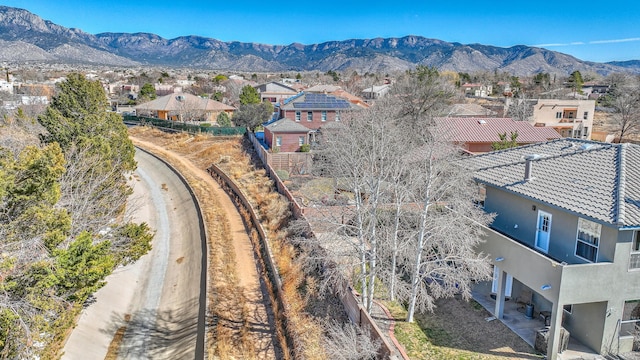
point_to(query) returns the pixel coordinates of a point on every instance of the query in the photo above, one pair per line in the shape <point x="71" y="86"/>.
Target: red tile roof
<point x="486" y="130"/>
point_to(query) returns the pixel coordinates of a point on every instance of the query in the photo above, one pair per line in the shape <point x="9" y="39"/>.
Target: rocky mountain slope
<point x="27" y="37"/>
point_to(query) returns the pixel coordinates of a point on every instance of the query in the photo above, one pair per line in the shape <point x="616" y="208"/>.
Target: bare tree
<point x="519" y="108"/>
<point x="348" y="342"/>
<point x="625" y="100"/>
<point x="410" y="202"/>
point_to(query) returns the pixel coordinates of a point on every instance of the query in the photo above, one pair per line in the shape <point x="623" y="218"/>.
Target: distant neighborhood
<point x="555" y="162"/>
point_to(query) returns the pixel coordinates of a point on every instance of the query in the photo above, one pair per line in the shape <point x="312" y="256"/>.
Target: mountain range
<point x="25" y="37"/>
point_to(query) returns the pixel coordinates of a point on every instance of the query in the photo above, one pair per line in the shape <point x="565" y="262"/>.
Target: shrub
<point x="305" y="148"/>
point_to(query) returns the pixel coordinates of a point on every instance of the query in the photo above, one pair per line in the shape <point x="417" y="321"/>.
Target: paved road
<point x="158" y="298"/>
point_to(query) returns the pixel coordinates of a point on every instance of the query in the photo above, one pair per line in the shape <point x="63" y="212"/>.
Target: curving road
<point x="157" y="302"/>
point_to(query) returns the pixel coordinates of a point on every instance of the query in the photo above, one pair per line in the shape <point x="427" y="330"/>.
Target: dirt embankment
<point x="240" y="324"/>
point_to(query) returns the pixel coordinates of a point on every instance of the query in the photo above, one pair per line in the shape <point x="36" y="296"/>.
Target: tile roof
<point x="486" y="130"/>
<point x="177" y="101"/>
<point x="597" y="180"/>
<point x="285" y="125"/>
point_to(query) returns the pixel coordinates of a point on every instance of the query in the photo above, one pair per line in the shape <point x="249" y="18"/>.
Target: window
<point x="585" y="116"/>
<point x="630" y="318"/>
<point x="588" y="239"/>
<point x="298" y="115"/>
<point x="337" y="115"/>
<point x="324" y="116"/>
<point x="586" y="132"/>
<point x="559" y="115"/>
<point x="634" y="262"/>
<point x="309" y="115"/>
<point x="568" y="308"/>
<point x="301" y="140"/>
<point x="278" y="140"/>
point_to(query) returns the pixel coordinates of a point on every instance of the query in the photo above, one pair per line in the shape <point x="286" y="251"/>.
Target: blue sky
<point x="589" y="30"/>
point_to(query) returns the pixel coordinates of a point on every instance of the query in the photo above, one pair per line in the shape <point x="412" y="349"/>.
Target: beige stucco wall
<point x="544" y="112"/>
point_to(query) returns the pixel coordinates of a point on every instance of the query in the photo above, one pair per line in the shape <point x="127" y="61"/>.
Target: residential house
<point x="275" y="92"/>
<point x="286" y="135"/>
<point x="6" y="86"/>
<point x="476" y="135"/>
<point x="314" y="110"/>
<point x="375" y="91"/>
<point x="311" y="112"/>
<point x="183" y="107"/>
<point x="567" y="233"/>
<point x="571" y="118"/>
<point x="479" y="90"/>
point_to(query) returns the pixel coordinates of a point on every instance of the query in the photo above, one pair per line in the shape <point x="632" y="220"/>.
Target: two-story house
<point x="571" y="118"/>
<point x="275" y="92"/>
<point x="567" y="232"/>
<point x="310" y="111"/>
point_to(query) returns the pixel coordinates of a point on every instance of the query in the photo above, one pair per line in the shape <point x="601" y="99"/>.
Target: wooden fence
<point x="356" y="312"/>
<point x="295" y="163"/>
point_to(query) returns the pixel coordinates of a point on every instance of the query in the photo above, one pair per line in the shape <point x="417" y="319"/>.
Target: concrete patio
<point x="526" y="328"/>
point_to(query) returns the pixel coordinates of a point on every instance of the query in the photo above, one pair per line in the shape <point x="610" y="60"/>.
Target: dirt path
<point x="255" y="333"/>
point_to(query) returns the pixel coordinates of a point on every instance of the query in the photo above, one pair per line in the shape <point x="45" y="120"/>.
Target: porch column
<point x="500" y="293"/>
<point x="554" y="332"/>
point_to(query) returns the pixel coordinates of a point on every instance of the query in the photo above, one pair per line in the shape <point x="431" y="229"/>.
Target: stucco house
<point x="183" y="107"/>
<point x="274" y="92"/>
<point x="476" y="135"/>
<point x="571" y="118"/>
<point x="567" y="232"/>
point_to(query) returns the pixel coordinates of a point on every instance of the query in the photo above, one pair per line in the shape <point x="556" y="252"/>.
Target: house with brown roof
<point x="476" y="135"/>
<point x="184" y="107"/>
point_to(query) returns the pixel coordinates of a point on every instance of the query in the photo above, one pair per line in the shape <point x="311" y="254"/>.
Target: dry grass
<point x="227" y="338"/>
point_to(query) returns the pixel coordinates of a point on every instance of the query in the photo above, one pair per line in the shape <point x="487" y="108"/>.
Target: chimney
<point x="528" y="166"/>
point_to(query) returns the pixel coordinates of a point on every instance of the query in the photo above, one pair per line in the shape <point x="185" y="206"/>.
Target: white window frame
<point x="558" y="114"/>
<point x="586" y="242"/>
<point x="301" y="140"/>
<point x="278" y="140"/>
<point x="309" y="115"/>
<point x="585" y="116"/>
<point x="298" y="115"/>
<point x="625" y="324"/>
<point x="323" y="116"/>
<point x="338" y="115"/>
<point x="635" y="250"/>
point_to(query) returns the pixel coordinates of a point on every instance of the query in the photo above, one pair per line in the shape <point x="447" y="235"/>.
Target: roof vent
<point x="180" y="97"/>
<point x="481" y="122"/>
<point x="528" y="166"/>
<point x="586" y="146"/>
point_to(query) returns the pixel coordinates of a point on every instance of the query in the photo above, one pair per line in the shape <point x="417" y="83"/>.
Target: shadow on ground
<point x="151" y="334"/>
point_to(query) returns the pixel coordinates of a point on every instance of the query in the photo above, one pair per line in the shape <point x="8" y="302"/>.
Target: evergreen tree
<point x="249" y="95"/>
<point x="223" y="120"/>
